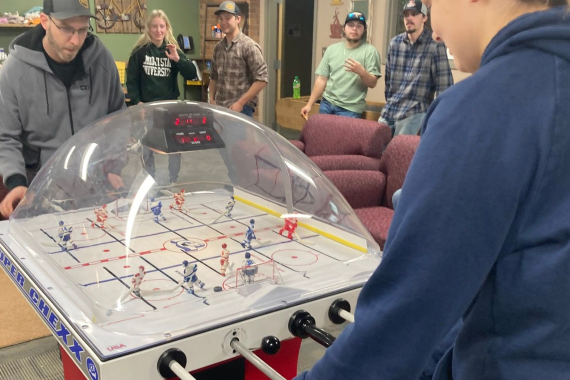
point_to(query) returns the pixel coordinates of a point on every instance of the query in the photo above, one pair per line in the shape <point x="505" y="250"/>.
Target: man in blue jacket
<point x="482" y="229"/>
<point x="57" y="79"/>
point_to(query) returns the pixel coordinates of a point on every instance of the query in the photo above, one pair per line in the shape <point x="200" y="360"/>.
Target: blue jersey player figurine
<point x="249" y="270"/>
<point x="249" y="235"/>
<point x="190" y="277"/>
<point x="64" y="233"/>
<point x="156" y="209"/>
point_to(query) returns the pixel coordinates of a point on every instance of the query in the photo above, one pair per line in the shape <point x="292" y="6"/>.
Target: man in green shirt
<point x="347" y="71"/>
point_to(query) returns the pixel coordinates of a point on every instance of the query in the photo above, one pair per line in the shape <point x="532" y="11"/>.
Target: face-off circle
<point x="294" y="257"/>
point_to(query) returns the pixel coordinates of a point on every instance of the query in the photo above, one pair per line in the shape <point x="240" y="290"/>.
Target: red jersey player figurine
<point x="179" y="200"/>
<point x="137" y="280"/>
<point x="225" y="259"/>
<point x="101" y="215"/>
<point x="290" y="226"/>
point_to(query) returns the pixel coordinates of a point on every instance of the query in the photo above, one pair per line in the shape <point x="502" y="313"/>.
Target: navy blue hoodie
<point x="482" y="230"/>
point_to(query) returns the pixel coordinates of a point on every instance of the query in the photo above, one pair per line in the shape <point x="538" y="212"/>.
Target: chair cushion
<point x="298" y="144"/>
<point x="346" y="162"/>
<point x="360" y="188"/>
<point x="395" y="163"/>
<point x="377" y="221"/>
<point x="335" y="135"/>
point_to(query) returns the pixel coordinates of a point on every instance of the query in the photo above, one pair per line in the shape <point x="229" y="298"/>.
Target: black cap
<point x="417" y="6"/>
<point x="228" y="6"/>
<point x="355" y="16"/>
<point x="64" y="9"/>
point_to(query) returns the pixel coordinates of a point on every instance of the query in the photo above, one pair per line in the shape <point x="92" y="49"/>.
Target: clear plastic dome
<point x="132" y="217"/>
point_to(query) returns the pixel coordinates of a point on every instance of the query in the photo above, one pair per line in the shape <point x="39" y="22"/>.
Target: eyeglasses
<point x="69" y="32"/>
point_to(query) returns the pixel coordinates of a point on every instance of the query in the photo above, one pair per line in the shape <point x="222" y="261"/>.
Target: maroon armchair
<point x="343" y="143"/>
<point x="370" y="192"/>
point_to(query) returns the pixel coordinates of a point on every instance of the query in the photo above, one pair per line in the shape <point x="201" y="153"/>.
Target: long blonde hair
<point x="145" y="38"/>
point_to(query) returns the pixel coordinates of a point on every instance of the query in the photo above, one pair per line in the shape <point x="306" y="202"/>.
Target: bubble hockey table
<point x="79" y="272"/>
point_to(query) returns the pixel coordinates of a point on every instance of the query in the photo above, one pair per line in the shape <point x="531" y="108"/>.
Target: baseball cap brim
<point x="64" y="15"/>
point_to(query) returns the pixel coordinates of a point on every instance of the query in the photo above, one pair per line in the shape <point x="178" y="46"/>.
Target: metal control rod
<point x="346" y="315"/>
<point x="180" y="371"/>
<point x="255" y="360"/>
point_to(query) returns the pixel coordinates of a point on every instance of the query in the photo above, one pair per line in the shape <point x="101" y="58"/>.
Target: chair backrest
<point x="395" y="163"/>
<point x="338" y="135"/>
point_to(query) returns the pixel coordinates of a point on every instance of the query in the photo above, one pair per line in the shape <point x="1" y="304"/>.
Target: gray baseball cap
<point x="64" y="9"/>
<point x="228" y="6"/>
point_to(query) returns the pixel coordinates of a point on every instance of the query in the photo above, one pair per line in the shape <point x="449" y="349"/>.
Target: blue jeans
<point x="408" y="126"/>
<point x="248" y="110"/>
<point x="328" y="108"/>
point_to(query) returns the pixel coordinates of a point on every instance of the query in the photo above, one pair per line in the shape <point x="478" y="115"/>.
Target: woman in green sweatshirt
<point x="152" y="74"/>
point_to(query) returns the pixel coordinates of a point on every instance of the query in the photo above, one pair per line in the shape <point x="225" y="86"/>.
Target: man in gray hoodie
<point x="58" y="79"/>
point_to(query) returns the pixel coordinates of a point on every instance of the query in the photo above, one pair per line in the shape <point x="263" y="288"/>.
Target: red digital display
<point x="194" y="139"/>
<point x="190" y="121"/>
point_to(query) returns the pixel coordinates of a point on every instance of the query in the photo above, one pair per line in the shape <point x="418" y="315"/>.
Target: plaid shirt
<point x="414" y="74"/>
<point x="235" y="68"/>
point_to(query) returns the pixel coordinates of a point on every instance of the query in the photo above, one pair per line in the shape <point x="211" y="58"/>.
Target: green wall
<point x="183" y="14"/>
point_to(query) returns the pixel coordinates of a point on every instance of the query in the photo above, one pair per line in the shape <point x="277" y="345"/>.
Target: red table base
<point x="284" y="362"/>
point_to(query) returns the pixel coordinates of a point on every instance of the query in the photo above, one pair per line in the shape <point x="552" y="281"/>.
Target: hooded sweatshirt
<point x="482" y="229"/>
<point x="38" y="113"/>
<point x="151" y="76"/>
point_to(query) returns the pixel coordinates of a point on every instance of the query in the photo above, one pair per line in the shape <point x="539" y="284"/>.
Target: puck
<point x="217" y="289"/>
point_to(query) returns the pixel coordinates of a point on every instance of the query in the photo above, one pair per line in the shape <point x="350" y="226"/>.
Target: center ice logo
<point x="189" y="245"/>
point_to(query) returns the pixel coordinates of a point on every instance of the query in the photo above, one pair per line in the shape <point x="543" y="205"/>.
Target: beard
<point x="64" y="55"/>
<point x="354" y="40"/>
<point x="411" y="29"/>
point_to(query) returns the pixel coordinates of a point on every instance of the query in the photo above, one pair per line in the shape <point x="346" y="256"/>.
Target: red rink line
<point x="112" y="259"/>
<point x="82" y="265"/>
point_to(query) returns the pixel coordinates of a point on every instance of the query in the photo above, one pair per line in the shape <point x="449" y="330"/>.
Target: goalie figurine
<point x="64" y="234"/>
<point x="190" y="277"/>
<point x="249" y="271"/>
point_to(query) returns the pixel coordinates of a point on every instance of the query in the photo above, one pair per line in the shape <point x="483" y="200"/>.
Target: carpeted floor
<point x="19" y="321"/>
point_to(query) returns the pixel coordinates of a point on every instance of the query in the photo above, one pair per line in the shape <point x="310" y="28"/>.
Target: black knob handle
<point x="335" y="308"/>
<point x="165" y="359"/>
<point x="270" y="345"/>
<point x="302" y="325"/>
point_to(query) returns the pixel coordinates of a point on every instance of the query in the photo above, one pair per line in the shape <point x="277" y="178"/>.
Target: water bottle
<point x="296" y="88"/>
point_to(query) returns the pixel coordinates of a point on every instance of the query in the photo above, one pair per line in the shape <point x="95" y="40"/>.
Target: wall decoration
<point x="336" y="27"/>
<point x="121" y="16"/>
<point x="337" y="2"/>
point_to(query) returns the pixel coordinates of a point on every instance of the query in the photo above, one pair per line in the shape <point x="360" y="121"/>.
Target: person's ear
<point x="44" y="19"/>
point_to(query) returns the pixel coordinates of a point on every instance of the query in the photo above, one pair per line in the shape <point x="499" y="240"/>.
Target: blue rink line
<point x="195" y="261"/>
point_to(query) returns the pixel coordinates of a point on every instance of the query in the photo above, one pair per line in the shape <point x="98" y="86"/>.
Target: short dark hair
<point x="549" y="3"/>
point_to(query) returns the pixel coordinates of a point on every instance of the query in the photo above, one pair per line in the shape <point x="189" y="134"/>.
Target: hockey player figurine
<point x="101" y="215"/>
<point x="64" y="233"/>
<point x="249" y="271"/>
<point x="249" y="235"/>
<point x="190" y="277"/>
<point x="156" y="209"/>
<point x="137" y="280"/>
<point x="290" y="226"/>
<point x="225" y="259"/>
<point x="230" y="207"/>
<point x="179" y="200"/>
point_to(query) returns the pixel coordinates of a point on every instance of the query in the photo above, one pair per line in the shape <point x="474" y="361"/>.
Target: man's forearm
<point x="369" y="80"/>
<point x="318" y="89"/>
<point x="255" y="89"/>
<point x="212" y="90"/>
